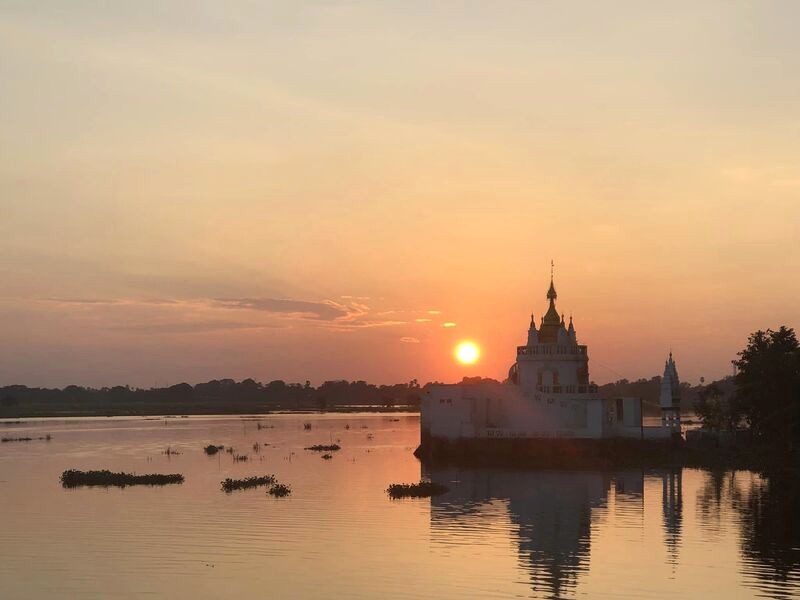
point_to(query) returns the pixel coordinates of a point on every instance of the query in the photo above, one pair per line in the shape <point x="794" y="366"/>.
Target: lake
<point x="496" y="534"/>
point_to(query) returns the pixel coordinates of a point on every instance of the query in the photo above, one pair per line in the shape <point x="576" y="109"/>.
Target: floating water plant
<point x="324" y="448"/>
<point x="242" y="484"/>
<point x="75" y="478"/>
<point x="423" y="489"/>
<point x="327" y="456"/>
<point x="170" y="451"/>
<point x="256" y="447"/>
<point x="279" y="490"/>
<point x="47" y="437"/>
<point x="240" y="458"/>
<point x="306" y="426"/>
<point x="212" y="450"/>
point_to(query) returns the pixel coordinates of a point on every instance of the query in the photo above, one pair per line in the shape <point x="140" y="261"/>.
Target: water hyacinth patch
<point x="423" y="489"/>
<point x="324" y="448"/>
<point x="75" y="478"/>
<point x="279" y="490"/>
<point x="230" y="485"/>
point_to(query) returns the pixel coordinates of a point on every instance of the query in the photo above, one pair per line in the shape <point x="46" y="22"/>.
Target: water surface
<point x="496" y="534"/>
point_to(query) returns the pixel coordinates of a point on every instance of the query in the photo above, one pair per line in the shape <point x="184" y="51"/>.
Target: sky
<point x="313" y="190"/>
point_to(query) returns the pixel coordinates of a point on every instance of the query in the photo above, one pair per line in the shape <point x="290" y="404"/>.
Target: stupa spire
<point x="551" y="293"/>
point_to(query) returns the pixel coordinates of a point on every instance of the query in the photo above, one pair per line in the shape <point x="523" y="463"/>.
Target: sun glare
<point x="467" y="353"/>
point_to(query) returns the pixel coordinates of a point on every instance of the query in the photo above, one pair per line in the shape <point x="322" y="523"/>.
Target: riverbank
<point x="174" y="412"/>
<point x="601" y="454"/>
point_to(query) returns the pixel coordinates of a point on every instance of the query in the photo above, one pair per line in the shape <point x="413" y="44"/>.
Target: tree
<point x="715" y="410"/>
<point x="768" y="385"/>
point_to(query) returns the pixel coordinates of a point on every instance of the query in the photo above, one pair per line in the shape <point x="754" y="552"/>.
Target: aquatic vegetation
<point x="170" y="451"/>
<point x="327" y="456"/>
<point x="212" y="449"/>
<point x="279" y="490"/>
<point x="369" y="436"/>
<point x="347" y="426"/>
<point x="240" y="458"/>
<point x="307" y="426"/>
<point x="250" y="482"/>
<point x="47" y="438"/>
<point x="262" y="426"/>
<point x="256" y="447"/>
<point x="230" y="450"/>
<point x="75" y="478"/>
<point x="324" y="448"/>
<point x="423" y="489"/>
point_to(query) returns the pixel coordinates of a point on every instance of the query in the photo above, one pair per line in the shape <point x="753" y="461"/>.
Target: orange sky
<point x="310" y="192"/>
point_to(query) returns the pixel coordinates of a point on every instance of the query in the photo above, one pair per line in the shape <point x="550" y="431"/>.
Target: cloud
<point x="434" y="312"/>
<point x="363" y="324"/>
<point x="448" y="324"/>
<point x="325" y="310"/>
<point x="189" y="327"/>
<point x="422" y="320"/>
<point x="90" y="301"/>
<point x="193" y="315"/>
<point x="409" y="340"/>
<point x="111" y="301"/>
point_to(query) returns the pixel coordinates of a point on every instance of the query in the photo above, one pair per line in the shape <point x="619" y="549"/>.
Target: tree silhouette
<point x="768" y="386"/>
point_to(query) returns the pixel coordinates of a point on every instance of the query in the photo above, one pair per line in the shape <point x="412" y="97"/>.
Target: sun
<point x="467" y="352"/>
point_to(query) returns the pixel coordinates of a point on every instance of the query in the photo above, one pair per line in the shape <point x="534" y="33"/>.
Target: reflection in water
<point x="496" y="534"/>
<point x="672" y="505"/>
<point x="769" y="525"/>
<point x="771" y="533"/>
<point x="551" y="510"/>
<point x="552" y="513"/>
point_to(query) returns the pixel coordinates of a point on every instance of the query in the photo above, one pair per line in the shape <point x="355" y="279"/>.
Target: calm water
<point x="529" y="534"/>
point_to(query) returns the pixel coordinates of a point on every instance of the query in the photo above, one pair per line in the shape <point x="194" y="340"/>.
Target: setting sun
<point x="467" y="353"/>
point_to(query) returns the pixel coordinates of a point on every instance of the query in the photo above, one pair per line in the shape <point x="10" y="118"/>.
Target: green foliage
<point x="716" y="410"/>
<point x="768" y="386"/>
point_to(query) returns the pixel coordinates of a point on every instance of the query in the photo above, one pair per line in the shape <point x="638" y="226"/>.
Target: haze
<point x="193" y="191"/>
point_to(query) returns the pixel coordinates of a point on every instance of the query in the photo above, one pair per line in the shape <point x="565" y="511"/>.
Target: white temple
<point x="670" y="398"/>
<point x="548" y="394"/>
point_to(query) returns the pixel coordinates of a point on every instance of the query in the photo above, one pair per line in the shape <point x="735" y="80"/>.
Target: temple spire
<point x="551" y="293"/>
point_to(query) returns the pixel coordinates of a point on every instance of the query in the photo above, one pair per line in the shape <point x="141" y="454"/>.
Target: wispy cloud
<point x="190" y="327"/>
<point x="409" y="340"/>
<point x="448" y="324"/>
<point x="325" y="310"/>
<point x="193" y="315"/>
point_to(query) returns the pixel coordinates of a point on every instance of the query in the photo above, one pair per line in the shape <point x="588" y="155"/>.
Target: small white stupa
<point x="670" y="399"/>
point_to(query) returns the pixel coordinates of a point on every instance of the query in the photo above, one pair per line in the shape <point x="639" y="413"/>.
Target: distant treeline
<point x="226" y="396"/>
<point x="649" y="390"/>
<point x="223" y="396"/>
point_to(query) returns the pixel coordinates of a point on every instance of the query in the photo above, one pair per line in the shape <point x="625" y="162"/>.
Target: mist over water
<point x="496" y="533"/>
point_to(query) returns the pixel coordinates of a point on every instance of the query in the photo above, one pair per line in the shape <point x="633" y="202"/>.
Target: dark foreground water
<point x="523" y="534"/>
